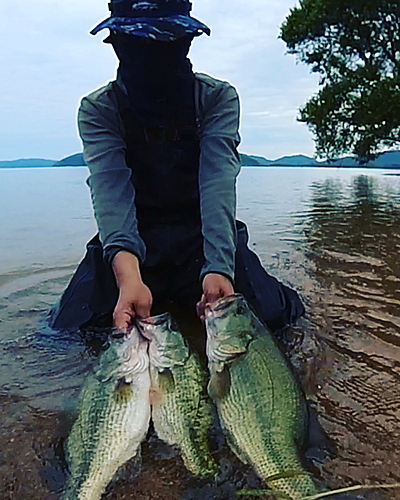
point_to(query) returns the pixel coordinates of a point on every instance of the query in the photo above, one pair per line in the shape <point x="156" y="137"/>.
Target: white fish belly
<point x="107" y="433"/>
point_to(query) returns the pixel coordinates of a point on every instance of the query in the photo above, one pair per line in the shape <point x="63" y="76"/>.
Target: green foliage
<point x="355" y="46"/>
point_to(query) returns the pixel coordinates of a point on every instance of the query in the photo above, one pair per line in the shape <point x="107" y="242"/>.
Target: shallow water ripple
<point x="351" y="245"/>
<point x="333" y="235"/>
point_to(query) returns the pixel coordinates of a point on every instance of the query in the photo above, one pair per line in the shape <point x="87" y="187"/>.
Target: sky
<point x="49" y="61"/>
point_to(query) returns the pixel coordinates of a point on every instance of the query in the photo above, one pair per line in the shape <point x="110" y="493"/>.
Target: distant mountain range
<point x="27" y="163"/>
<point x="390" y="159"/>
<point x="75" y="160"/>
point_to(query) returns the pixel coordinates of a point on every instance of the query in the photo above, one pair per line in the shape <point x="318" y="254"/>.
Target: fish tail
<point x="299" y="486"/>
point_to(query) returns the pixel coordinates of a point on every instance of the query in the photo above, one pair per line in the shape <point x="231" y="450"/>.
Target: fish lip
<point x="223" y="303"/>
<point x="157" y="320"/>
<point x="119" y="334"/>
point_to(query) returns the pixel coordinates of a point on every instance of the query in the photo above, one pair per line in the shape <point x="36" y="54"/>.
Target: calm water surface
<point x="332" y="234"/>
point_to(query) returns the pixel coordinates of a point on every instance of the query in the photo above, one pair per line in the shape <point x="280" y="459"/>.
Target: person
<point x="161" y="145"/>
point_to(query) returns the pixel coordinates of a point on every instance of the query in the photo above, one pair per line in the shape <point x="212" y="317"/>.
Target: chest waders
<point x="165" y="166"/>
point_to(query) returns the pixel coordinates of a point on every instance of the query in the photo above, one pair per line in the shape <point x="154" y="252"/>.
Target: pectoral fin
<point x="166" y="381"/>
<point x="123" y="392"/>
<point x="219" y="384"/>
<point x="163" y="383"/>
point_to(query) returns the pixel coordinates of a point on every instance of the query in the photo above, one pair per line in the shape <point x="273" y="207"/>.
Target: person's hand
<point x="135" y="299"/>
<point x="215" y="286"/>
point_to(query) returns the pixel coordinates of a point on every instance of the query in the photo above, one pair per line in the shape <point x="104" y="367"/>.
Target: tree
<point x="355" y="46"/>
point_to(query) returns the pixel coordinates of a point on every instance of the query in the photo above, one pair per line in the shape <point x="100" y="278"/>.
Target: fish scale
<point x="113" y="420"/>
<point x="262" y="409"/>
<point x="182" y="417"/>
<point x="181" y="412"/>
<point x="266" y="441"/>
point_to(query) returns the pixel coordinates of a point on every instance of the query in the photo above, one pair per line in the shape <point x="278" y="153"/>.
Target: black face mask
<point x="157" y="75"/>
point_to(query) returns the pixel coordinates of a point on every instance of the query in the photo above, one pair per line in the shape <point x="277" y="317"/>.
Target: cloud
<point x="49" y="61"/>
<point x="245" y="49"/>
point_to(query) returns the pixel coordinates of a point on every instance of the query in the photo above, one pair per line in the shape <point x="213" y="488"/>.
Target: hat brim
<point x="157" y="28"/>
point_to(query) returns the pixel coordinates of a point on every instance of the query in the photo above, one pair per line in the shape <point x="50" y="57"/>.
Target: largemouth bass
<point x="113" y="419"/>
<point x="260" y="405"/>
<point x="180" y="408"/>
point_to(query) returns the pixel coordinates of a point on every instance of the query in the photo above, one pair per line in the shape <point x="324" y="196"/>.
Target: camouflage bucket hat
<point x="163" y="20"/>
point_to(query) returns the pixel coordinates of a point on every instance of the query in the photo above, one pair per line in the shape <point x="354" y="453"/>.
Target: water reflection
<point x="333" y="235"/>
<point x="359" y="220"/>
<point x="352" y="242"/>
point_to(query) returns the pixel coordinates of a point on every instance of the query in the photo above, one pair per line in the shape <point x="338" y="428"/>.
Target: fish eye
<point x="174" y="325"/>
<point x="241" y="309"/>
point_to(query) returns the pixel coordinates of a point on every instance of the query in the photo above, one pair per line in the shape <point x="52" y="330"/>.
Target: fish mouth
<point x="155" y="320"/>
<point x="120" y="337"/>
<point x="146" y="326"/>
<point x="121" y="334"/>
<point x="224" y="303"/>
<point x="118" y="334"/>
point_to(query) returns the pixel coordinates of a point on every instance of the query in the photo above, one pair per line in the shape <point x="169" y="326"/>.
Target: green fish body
<point x="260" y="405"/>
<point x="114" y="415"/>
<point x="180" y="408"/>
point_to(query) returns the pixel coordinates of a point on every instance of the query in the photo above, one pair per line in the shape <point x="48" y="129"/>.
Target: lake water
<point x="332" y="234"/>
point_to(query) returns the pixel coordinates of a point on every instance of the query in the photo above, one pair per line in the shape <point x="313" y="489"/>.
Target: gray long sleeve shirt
<point x="113" y="194"/>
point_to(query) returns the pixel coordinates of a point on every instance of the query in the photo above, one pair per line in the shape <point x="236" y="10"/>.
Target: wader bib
<point x="165" y="169"/>
<point x="165" y="165"/>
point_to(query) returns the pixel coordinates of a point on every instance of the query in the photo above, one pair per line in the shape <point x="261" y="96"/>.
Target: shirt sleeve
<point x="113" y="194"/>
<point x="219" y="167"/>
